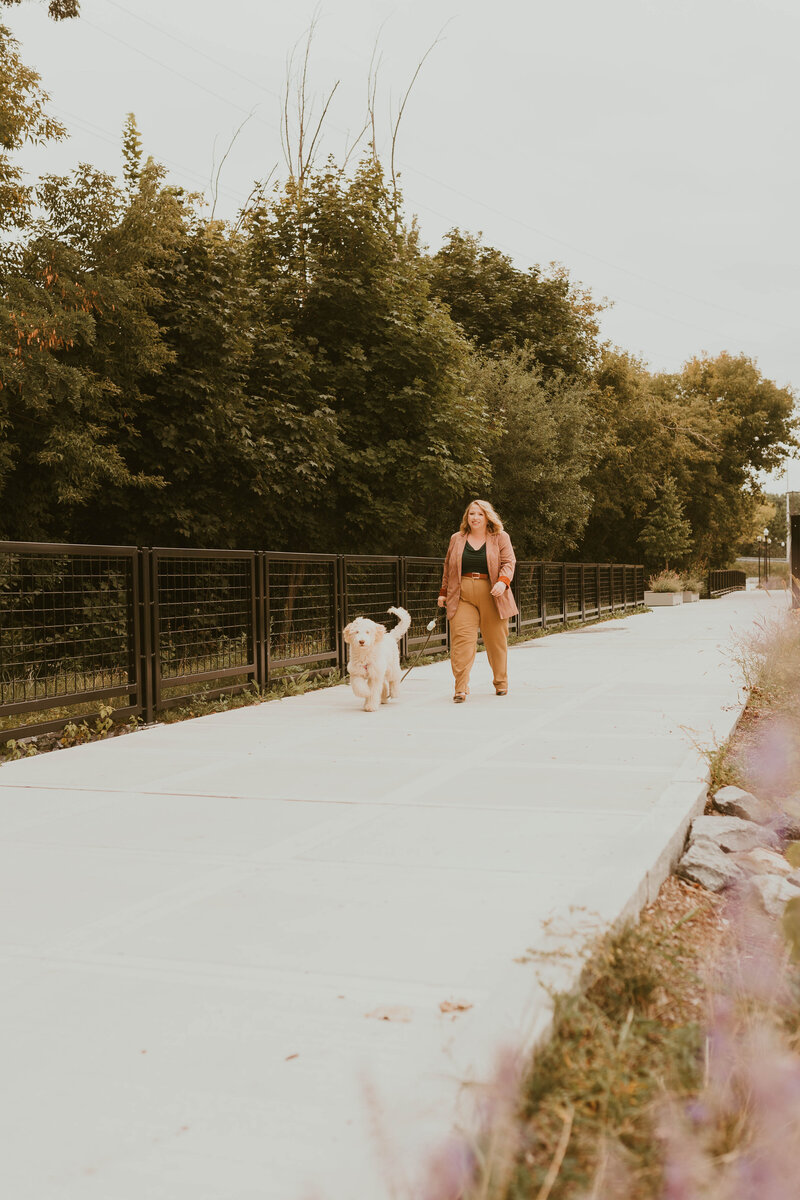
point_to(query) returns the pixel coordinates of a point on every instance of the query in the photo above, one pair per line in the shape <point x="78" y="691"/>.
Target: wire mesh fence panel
<point x="527" y="593"/>
<point x="67" y="635"/>
<point x="630" y="585"/>
<point x="605" y="589"/>
<point x="371" y="586"/>
<point x="590" y="591"/>
<point x="554" y="592"/>
<point x="422" y="578"/>
<point x="204" y="614"/>
<point x="573" y="591"/>
<point x="146" y="629"/>
<point x="301" y="610"/>
<point x="639" y="584"/>
<point x="720" y="583"/>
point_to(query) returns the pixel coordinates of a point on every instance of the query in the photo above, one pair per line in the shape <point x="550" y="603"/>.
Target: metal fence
<point x="722" y="582"/>
<point x="145" y="630"/>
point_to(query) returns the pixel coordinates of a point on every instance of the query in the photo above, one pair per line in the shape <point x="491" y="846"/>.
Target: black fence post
<point x="340" y="606"/>
<point x="402" y="597"/>
<point x="610" y="567"/>
<point x="147" y="657"/>
<point x="261" y="626"/>
<point x="543" y="593"/>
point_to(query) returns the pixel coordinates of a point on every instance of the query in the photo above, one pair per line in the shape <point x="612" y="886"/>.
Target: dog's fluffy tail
<point x="403" y="623"/>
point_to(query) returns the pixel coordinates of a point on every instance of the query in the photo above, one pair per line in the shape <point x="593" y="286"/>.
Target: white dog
<point x="374" y="664"/>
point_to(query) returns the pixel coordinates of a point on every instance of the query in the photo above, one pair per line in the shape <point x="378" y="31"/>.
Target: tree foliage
<point x="666" y="534"/>
<point x="308" y="377"/>
<point x="59" y="10"/>
<point x="503" y="309"/>
<point x="541" y="449"/>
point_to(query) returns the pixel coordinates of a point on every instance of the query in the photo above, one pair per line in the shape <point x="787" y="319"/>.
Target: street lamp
<point x="759" y="543"/>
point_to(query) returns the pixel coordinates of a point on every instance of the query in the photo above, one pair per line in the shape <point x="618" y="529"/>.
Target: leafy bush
<point x="692" y="583"/>
<point x="666" y="581"/>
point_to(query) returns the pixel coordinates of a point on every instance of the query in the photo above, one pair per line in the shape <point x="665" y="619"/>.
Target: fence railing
<point x="145" y="630"/>
<point x="722" y="582"/>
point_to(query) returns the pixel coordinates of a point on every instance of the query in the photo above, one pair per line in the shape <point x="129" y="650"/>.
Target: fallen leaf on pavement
<point x="453" y="1006"/>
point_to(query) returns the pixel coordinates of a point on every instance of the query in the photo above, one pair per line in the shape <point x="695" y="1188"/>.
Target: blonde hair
<point x="493" y="522"/>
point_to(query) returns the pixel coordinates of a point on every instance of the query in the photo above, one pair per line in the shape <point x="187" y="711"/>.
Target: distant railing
<point x="145" y="630"/>
<point x="722" y="582"/>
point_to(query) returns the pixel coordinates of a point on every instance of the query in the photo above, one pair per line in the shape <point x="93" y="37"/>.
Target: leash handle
<point x="430" y="627"/>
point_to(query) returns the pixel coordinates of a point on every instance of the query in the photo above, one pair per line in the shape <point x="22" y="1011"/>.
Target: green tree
<point x="79" y="299"/>
<point x="749" y="425"/>
<point x="503" y="309"/>
<point x="346" y="310"/>
<point x="637" y="436"/>
<point x="666" y="534"/>
<point x="541" y="451"/>
<point x="193" y="427"/>
<point x="23" y="119"/>
<point x="712" y="428"/>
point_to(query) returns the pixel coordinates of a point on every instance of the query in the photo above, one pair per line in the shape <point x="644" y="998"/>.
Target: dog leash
<point x="430" y="628"/>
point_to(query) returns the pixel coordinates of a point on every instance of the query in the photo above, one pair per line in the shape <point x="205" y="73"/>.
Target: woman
<point x="476" y="593"/>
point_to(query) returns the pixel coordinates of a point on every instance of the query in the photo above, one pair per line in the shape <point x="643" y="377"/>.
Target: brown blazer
<point x="501" y="562"/>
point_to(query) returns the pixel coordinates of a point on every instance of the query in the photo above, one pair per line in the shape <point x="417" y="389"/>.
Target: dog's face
<point x="363" y="632"/>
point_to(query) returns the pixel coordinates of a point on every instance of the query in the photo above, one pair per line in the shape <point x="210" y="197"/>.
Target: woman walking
<point x="476" y="594"/>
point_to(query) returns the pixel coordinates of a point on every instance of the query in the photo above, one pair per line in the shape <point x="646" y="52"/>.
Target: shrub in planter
<point x="665" y="589"/>
<point x="665" y="581"/>
<point x="692" y="587"/>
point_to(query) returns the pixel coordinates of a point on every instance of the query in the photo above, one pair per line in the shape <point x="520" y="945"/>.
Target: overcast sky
<point x="649" y="145"/>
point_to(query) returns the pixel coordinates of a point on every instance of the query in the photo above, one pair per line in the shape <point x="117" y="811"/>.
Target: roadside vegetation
<point x="674" y="1072"/>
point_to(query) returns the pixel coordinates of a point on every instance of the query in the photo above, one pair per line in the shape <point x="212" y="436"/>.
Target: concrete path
<point x="224" y="944"/>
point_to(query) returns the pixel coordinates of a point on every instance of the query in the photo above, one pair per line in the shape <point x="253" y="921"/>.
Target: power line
<point x="618" y="299"/>
<point x="186" y="78"/>
<point x="195" y="49"/>
<point x="588" y="253"/>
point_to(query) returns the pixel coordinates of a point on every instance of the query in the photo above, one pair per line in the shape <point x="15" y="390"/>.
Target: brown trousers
<point x="477" y="610"/>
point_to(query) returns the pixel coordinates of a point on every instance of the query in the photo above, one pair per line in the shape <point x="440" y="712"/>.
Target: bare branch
<point x="256" y="195"/>
<point x="308" y="164"/>
<point x="286" y="145"/>
<point x="403" y="102"/>
<point x="349" y="152"/>
<point x="372" y="88"/>
<point x="215" y="180"/>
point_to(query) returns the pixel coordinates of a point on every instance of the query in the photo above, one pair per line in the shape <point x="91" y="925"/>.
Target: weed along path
<point x="258" y="954"/>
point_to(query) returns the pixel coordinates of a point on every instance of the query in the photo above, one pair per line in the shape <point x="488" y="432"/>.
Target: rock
<point x="706" y="864"/>
<point x="786" y="825"/>
<point x="732" y="833"/>
<point x="736" y="802"/>
<point x="761" y="861"/>
<point x="773" y="891"/>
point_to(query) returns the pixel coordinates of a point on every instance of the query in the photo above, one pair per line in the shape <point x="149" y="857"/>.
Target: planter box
<point x="690" y="597"/>
<point x="654" y="599"/>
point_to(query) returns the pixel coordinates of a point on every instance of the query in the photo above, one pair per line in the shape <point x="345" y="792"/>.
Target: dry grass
<point x="632" y="1035"/>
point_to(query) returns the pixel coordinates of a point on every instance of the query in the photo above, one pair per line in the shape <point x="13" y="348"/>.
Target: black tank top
<point x="474" y="560"/>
